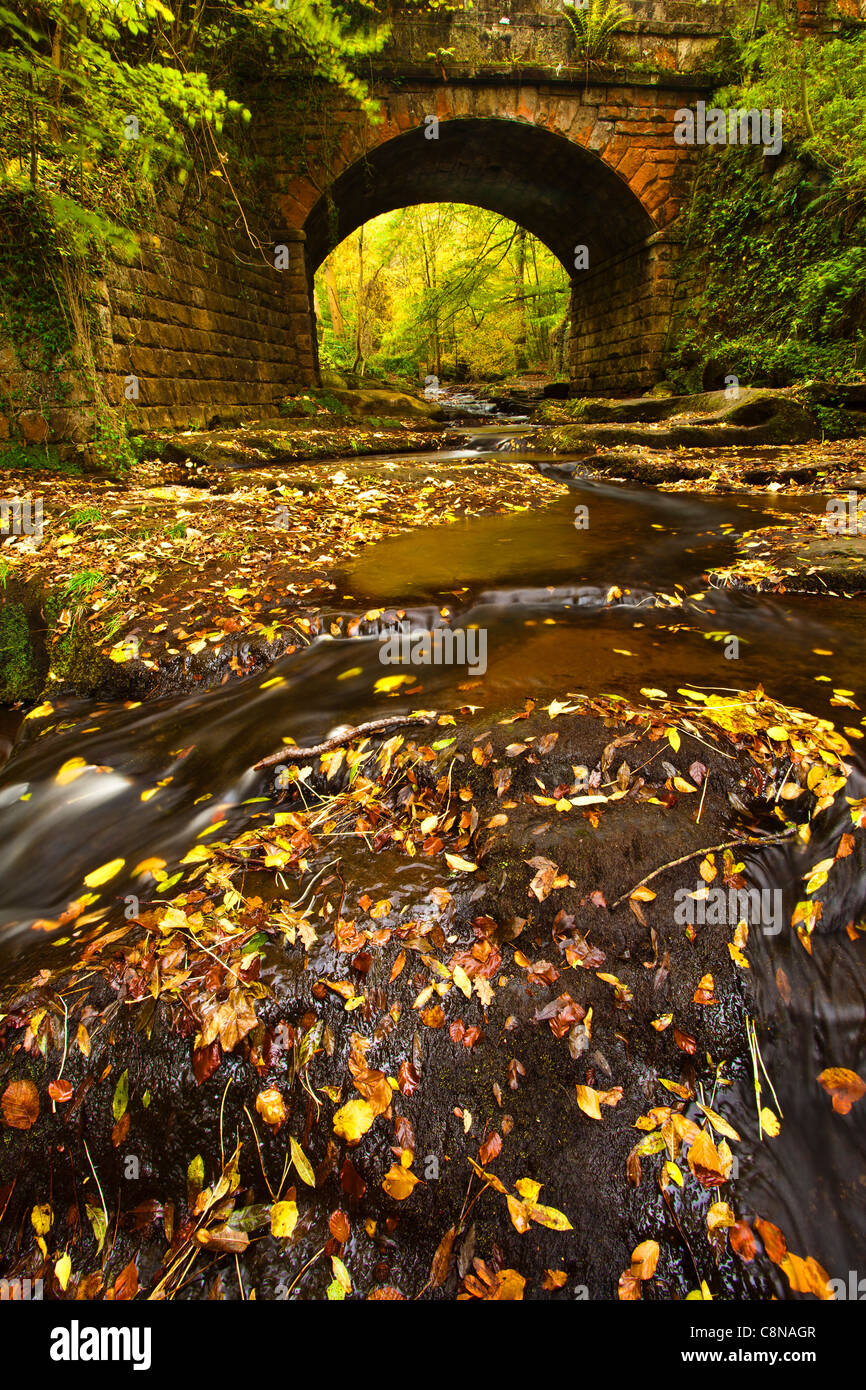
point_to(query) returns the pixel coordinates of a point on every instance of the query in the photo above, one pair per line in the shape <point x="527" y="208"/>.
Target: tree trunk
<point x="56" y="86"/>
<point x="333" y="298"/>
<point x="520" y="299"/>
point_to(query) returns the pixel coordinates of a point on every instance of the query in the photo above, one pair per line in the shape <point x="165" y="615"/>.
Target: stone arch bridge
<point x="580" y="156"/>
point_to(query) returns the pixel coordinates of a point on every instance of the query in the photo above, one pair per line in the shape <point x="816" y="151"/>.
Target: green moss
<point x="37" y="458"/>
<point x="20" y="678"/>
<point x="772" y="276"/>
<point x="73" y="658"/>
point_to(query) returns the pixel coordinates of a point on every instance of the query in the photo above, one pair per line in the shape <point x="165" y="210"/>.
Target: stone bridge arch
<point x="593" y="165"/>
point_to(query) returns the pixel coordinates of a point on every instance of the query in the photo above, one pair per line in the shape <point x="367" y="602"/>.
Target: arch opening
<point x="563" y="194"/>
<point x="442" y="290"/>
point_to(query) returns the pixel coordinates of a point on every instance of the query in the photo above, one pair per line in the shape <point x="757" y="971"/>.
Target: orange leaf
<point x="845" y="1087"/>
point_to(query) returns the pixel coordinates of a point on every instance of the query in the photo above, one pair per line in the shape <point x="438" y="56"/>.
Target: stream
<point x="611" y="606"/>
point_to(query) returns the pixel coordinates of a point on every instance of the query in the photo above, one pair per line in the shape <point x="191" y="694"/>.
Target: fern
<point x="594" y="25"/>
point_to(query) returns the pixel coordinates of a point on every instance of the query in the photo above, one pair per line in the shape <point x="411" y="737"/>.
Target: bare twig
<point x="708" y="849"/>
<point x="373" y="726"/>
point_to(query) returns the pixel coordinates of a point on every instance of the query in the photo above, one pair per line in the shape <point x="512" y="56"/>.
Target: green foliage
<point x="107" y="98"/>
<point x="775" y="256"/>
<point x="594" y="25"/>
<point x="83" y="516"/>
<point x="19" y="678"/>
<point x="31" y="245"/>
<point x="37" y="457"/>
<point x="820" y="84"/>
<point x="444" y="289"/>
<point x="80" y="586"/>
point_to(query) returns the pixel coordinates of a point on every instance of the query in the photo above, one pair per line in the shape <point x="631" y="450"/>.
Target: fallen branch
<point x="708" y="849"/>
<point x="291" y="754"/>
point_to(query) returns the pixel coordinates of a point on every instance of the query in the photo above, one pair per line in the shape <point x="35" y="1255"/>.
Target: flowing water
<point x="564" y="608"/>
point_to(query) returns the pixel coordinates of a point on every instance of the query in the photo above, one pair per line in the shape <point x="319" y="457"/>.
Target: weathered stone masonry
<point x="213" y="337"/>
<point x="576" y="162"/>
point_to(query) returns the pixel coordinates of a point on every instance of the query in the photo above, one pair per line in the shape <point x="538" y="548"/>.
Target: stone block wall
<point x="620" y="318"/>
<point x="198" y="328"/>
<point x="206" y="329"/>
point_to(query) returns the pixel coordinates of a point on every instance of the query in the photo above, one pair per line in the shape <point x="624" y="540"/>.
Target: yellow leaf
<point x="302" y="1163"/>
<point x="42" y="1219"/>
<point x="398" y="1182"/>
<point x="807" y="1276"/>
<point x="462" y="981"/>
<point x="674" y="739"/>
<point x="463" y="865"/>
<point x="720" y="1214"/>
<point x="770" y="1122"/>
<point x="528" y="1189"/>
<point x="63" y="1269"/>
<point x="719" y="1123"/>
<point x="644" y="1259"/>
<point x="284" y="1219"/>
<point x="353" y="1120"/>
<point x="587" y="1099"/>
<point x="518" y="1213"/>
<point x="388" y="683"/>
<point x="642" y="895"/>
<point x="148" y="866"/>
<point x="71" y="769"/>
<point x="97" y="877"/>
<point x="549" y="1216"/>
<point x="271" y="1107"/>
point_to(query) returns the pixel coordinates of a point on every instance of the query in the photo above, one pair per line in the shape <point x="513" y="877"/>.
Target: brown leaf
<point x="743" y="1241"/>
<point x="20" y="1105"/>
<point x="351" y="1181"/>
<point x="491" y="1148"/>
<point x="442" y="1258"/>
<point x="126" y="1283"/>
<point x="774" y="1242"/>
<point x="60" y="1090"/>
<point x="338" y="1225"/>
<point x="629" y="1287"/>
<point x="205" y="1061"/>
<point x="225" y="1239"/>
<point x="408" y="1079"/>
<point x="121" y="1130"/>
